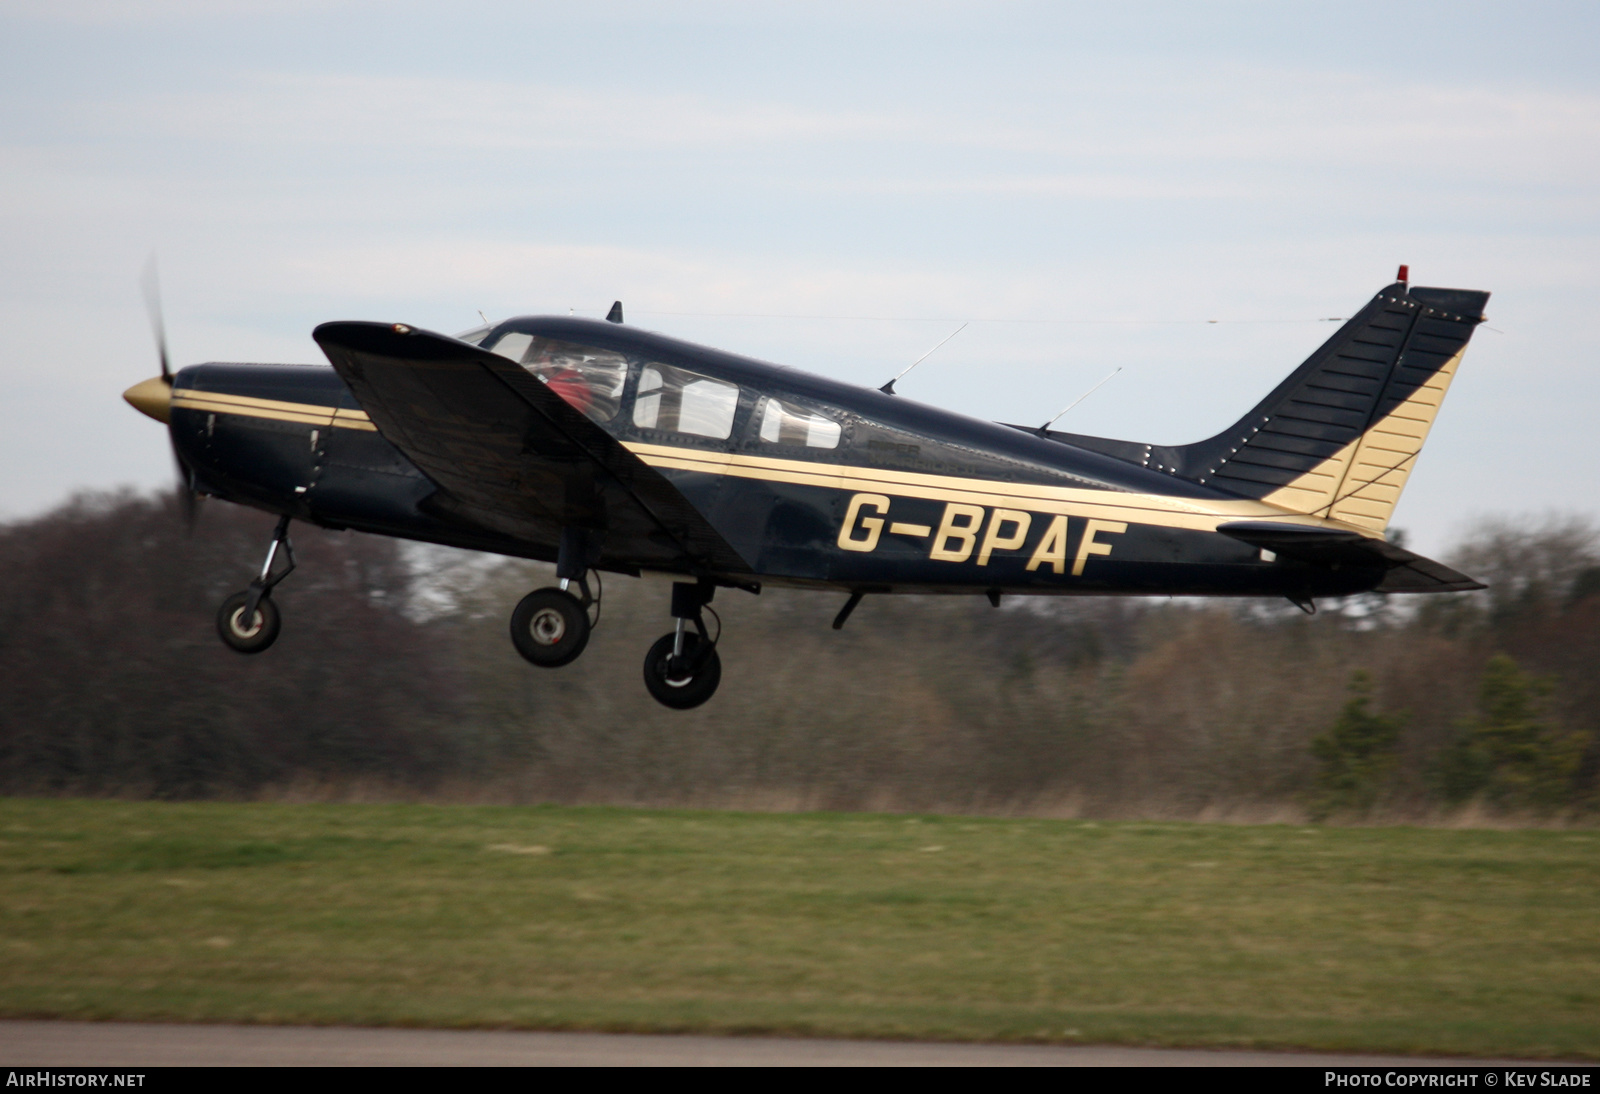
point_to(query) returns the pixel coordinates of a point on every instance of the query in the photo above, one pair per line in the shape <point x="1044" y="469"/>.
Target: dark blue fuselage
<point x="907" y="498"/>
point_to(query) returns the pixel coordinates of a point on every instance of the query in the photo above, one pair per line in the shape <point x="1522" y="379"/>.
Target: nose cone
<point x="152" y="397"/>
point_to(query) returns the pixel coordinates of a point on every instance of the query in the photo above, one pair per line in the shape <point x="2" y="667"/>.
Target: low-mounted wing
<point x="510" y="454"/>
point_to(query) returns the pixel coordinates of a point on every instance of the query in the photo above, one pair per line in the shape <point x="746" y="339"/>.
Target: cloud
<point x="113" y="12"/>
<point x="1124" y="133"/>
<point x="465" y="115"/>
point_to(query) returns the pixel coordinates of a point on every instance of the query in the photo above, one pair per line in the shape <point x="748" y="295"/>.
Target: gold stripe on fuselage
<point x="249" y="406"/>
<point x="1195" y="514"/>
<point x="1161" y="510"/>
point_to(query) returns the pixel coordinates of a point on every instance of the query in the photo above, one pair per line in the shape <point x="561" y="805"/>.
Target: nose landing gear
<point x="682" y="669"/>
<point x="249" y="621"/>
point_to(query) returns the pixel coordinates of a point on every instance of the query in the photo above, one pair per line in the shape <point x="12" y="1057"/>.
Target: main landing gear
<point x="550" y="627"/>
<point x="249" y="621"/>
<point x="682" y="670"/>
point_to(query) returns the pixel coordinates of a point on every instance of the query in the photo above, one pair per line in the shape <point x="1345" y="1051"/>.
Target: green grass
<point x="1410" y="940"/>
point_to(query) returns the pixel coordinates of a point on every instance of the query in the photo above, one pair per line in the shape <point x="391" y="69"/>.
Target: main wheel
<point x="688" y="681"/>
<point x="550" y="628"/>
<point x="251" y="636"/>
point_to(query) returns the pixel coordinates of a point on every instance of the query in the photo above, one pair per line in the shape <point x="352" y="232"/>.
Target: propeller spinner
<point x="153" y="397"/>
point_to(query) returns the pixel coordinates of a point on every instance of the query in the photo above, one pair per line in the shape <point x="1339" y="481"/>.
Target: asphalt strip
<point x="139" y="1044"/>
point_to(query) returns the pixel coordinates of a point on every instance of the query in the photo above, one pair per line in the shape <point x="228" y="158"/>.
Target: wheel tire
<point x="263" y="630"/>
<point x="681" y="691"/>
<point x="549" y="628"/>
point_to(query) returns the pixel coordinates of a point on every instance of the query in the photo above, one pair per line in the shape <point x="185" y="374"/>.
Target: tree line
<point x="395" y="677"/>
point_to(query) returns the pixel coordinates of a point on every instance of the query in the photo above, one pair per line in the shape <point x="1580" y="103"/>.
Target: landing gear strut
<point x="682" y="670"/>
<point x="550" y="627"/>
<point x="249" y="621"/>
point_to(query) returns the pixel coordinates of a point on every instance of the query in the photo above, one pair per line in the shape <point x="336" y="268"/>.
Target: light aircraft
<point x="602" y="447"/>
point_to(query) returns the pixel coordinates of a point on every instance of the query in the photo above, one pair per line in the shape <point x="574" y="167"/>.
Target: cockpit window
<point x="589" y="379"/>
<point x="511" y="345"/>
<point x="783" y="424"/>
<point x="476" y="335"/>
<point x="679" y="401"/>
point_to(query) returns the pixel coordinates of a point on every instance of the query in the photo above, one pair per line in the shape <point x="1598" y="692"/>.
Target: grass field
<point x="1411" y="940"/>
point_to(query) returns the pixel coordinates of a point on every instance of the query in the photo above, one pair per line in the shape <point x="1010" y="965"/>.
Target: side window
<point x="781" y="424"/>
<point x="589" y="379"/>
<point x="679" y="401"/>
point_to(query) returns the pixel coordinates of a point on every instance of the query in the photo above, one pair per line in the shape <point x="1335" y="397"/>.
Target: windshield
<point x="589" y="379"/>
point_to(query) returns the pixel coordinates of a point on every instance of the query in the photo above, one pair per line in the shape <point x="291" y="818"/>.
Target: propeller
<point x="154" y="396"/>
<point x="152" y="303"/>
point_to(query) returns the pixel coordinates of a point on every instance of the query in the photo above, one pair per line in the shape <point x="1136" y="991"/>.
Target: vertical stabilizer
<point x="1340" y="436"/>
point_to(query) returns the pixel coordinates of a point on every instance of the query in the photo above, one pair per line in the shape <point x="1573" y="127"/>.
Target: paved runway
<point x="133" y="1044"/>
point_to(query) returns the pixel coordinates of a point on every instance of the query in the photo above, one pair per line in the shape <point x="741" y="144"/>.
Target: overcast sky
<point x="830" y="186"/>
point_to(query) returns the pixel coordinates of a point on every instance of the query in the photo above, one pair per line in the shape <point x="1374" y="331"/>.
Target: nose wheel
<point x="253" y="636"/>
<point x="249" y="622"/>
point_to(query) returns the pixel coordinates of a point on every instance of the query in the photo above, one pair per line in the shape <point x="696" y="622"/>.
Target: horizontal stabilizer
<point x="1408" y="572"/>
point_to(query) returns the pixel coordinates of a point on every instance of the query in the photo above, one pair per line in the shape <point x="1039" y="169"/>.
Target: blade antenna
<point x="152" y="304"/>
<point x="888" y="389"/>
<point x="1046" y="427"/>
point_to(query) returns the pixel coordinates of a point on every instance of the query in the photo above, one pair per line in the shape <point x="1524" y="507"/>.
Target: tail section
<point x="1340" y="436"/>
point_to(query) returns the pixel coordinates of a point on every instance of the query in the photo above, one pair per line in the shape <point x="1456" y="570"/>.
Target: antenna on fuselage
<point x="1046" y="427"/>
<point x="888" y="389"/>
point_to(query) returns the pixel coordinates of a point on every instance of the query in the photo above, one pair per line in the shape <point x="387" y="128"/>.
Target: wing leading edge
<point x="509" y="454"/>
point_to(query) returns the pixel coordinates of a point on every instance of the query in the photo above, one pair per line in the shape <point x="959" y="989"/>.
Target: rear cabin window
<point x="676" y="400"/>
<point x="784" y="424"/>
<point x="589" y="379"/>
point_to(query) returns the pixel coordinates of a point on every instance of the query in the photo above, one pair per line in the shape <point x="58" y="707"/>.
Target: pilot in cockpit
<point x="590" y="380"/>
<point x="562" y="377"/>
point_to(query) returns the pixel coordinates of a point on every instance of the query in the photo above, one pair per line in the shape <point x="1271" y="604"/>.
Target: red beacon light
<point x="1404" y="276"/>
